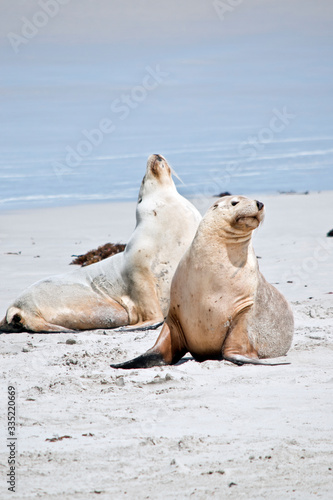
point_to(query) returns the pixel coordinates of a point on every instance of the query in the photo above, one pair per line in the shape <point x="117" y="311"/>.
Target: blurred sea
<point x="214" y="113"/>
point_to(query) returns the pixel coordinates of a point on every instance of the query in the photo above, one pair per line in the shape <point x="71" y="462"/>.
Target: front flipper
<point x="146" y="360"/>
<point x="166" y="351"/>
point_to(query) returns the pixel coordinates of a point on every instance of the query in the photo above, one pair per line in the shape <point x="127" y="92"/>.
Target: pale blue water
<point x="215" y="96"/>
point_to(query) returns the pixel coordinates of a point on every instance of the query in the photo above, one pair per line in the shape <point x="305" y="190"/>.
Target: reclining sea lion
<point x="129" y="288"/>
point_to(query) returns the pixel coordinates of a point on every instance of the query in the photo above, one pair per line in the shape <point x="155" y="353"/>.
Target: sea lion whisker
<point x="173" y="171"/>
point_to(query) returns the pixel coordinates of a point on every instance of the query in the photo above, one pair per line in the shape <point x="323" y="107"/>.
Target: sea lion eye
<point x="234" y="203"/>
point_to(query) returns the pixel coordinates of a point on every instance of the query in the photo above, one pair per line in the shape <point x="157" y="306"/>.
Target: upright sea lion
<point x="221" y="306"/>
<point x="130" y="288"/>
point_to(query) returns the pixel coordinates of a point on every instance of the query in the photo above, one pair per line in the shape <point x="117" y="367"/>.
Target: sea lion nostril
<point x="259" y="205"/>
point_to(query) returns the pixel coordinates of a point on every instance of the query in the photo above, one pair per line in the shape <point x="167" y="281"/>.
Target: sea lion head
<point x="158" y="168"/>
<point x="158" y="174"/>
<point x="237" y="214"/>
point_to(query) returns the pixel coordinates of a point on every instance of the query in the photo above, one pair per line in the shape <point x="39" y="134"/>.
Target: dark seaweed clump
<point x="100" y="253"/>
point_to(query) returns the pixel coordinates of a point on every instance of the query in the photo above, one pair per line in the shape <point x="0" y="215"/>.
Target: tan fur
<point x="221" y="305"/>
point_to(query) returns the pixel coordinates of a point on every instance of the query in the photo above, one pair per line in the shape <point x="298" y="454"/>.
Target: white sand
<point x="187" y="431"/>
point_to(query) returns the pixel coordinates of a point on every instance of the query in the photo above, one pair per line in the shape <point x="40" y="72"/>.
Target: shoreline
<point x="252" y="194"/>
<point x="291" y="243"/>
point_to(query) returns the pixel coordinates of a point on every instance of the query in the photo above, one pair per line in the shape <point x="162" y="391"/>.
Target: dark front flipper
<point x="240" y="360"/>
<point x="146" y="360"/>
<point x="167" y="350"/>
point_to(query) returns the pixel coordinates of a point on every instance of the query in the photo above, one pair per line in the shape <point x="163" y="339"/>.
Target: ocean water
<point x="247" y="114"/>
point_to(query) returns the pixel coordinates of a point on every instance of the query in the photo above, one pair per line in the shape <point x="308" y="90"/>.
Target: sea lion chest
<point x="212" y="285"/>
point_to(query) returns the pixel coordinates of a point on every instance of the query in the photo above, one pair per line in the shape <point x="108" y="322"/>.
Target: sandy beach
<point x="193" y="430"/>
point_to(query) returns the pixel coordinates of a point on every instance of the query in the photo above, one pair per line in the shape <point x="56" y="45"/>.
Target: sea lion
<point x="129" y="288"/>
<point x="221" y="306"/>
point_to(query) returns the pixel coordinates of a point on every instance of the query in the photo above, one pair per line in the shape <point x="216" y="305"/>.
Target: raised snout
<point x="155" y="158"/>
<point x="158" y="167"/>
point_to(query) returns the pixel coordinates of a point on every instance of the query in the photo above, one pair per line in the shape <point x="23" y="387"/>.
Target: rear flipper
<point x="143" y="328"/>
<point x="240" y="360"/>
<point x="237" y="347"/>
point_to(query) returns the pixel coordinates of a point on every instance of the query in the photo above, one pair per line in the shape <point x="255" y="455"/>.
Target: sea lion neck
<point x="224" y="235"/>
<point x="151" y="186"/>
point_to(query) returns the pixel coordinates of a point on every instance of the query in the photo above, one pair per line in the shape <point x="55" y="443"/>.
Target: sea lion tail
<point x="240" y="360"/>
<point x="146" y="360"/>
